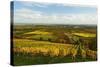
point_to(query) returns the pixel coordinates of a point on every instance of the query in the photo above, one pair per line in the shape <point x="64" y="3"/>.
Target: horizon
<point x="54" y="24"/>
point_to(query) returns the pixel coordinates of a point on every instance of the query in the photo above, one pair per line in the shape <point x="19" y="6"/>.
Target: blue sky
<point x="50" y="13"/>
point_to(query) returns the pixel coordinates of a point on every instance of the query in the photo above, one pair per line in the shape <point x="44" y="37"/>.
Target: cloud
<point x="34" y="4"/>
<point x="78" y="5"/>
<point x="41" y="5"/>
<point x="25" y="15"/>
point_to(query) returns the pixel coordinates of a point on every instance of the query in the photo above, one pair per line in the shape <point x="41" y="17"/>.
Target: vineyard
<point x="50" y="49"/>
<point x="46" y="45"/>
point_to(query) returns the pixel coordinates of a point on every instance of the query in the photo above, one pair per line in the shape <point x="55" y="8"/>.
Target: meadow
<point x="48" y="44"/>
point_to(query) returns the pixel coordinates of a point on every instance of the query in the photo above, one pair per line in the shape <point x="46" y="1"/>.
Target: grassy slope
<point x="30" y="60"/>
<point x="34" y="43"/>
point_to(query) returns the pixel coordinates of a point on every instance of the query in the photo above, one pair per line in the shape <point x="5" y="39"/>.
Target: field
<point x="48" y="44"/>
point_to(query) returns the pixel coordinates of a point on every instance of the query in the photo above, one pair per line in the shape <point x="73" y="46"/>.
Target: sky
<point x="53" y="13"/>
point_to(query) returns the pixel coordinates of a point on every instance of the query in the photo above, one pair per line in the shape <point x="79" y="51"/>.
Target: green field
<point x="41" y="44"/>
